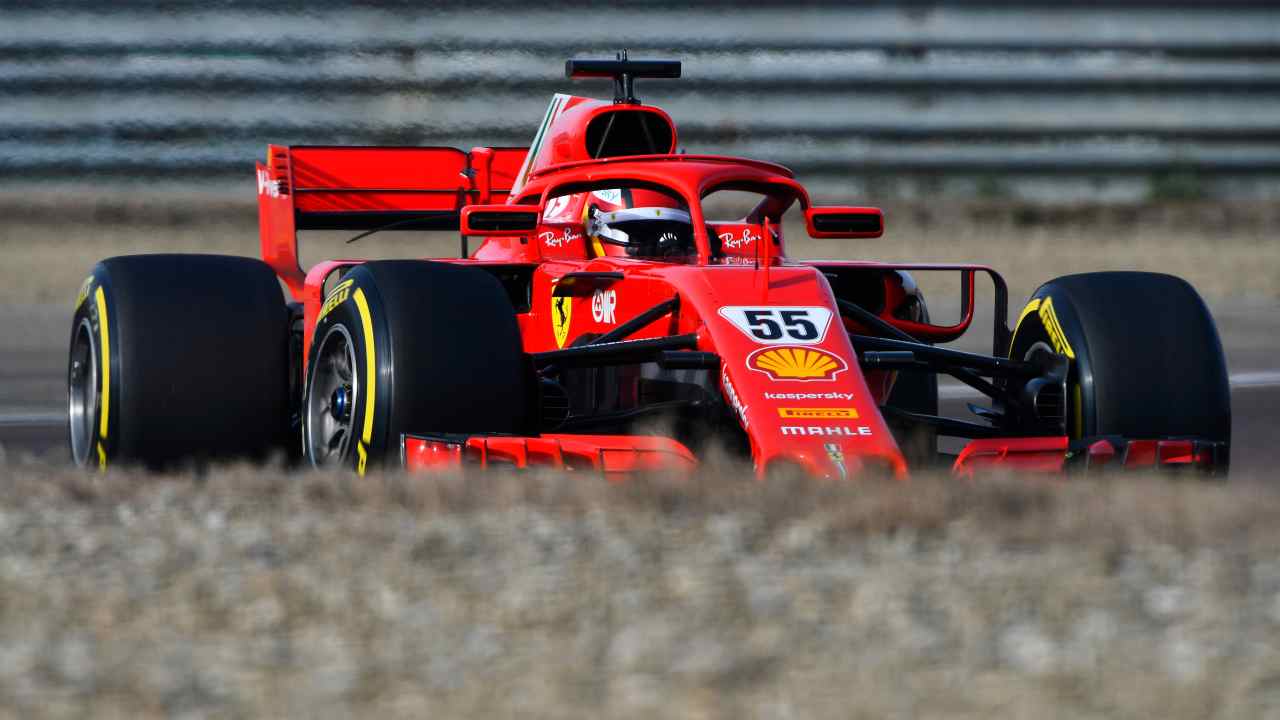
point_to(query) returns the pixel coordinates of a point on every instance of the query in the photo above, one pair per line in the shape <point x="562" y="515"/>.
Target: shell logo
<point x="803" y="364"/>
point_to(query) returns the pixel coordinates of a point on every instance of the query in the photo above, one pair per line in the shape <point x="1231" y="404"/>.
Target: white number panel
<point x="777" y="325"/>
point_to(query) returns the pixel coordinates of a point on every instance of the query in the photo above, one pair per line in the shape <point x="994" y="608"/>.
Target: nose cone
<point x="834" y="459"/>
<point x="788" y="370"/>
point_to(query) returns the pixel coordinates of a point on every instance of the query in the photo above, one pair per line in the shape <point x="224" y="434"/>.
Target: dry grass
<point x="51" y="242"/>
<point x="259" y="593"/>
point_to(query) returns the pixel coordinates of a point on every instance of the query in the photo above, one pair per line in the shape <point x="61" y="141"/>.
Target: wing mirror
<point x="844" y="222"/>
<point x="498" y="220"/>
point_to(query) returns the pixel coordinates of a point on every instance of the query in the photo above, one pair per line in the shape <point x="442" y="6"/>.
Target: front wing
<point x="618" y="456"/>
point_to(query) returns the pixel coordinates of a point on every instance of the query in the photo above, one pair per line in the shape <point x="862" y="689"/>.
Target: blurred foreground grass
<point x="250" y="592"/>
<point x="51" y="241"/>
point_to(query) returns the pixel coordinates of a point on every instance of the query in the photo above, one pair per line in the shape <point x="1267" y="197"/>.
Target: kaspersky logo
<point x="802" y="364"/>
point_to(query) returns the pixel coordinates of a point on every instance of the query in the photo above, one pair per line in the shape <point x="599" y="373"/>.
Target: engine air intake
<point x="629" y="131"/>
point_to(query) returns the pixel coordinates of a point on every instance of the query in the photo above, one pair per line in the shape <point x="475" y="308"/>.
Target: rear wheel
<point x="411" y="346"/>
<point x="1146" y="361"/>
<point x="176" y="358"/>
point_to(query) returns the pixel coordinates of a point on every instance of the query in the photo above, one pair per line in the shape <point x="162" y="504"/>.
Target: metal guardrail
<point x="1192" y="48"/>
<point x="1139" y="90"/>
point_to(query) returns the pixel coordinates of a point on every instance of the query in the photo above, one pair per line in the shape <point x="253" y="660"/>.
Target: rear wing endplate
<point x="362" y="188"/>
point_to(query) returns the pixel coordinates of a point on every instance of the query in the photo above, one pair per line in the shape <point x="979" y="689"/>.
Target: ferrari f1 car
<point x="617" y="315"/>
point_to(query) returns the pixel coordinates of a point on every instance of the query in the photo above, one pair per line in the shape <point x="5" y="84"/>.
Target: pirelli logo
<point x="818" y="413"/>
<point x="1054" y="328"/>
<point x="338" y="296"/>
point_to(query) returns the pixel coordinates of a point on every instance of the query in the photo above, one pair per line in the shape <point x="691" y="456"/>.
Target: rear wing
<point x="363" y="188"/>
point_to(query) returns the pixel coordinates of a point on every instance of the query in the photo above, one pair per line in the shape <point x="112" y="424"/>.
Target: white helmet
<point x="658" y="232"/>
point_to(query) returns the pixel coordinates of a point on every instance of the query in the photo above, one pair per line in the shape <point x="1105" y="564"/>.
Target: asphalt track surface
<point x="33" y="347"/>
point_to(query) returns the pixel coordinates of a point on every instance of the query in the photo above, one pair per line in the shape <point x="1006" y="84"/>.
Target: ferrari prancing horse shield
<point x="561" y="309"/>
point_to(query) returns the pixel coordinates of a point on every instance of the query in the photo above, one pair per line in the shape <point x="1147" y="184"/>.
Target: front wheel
<point x="1146" y="361"/>
<point x="409" y="346"/>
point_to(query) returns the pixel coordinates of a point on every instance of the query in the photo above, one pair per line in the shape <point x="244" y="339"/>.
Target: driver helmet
<point x="657" y="232"/>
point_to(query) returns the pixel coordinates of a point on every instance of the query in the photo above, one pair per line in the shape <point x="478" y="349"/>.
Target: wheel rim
<point x="331" y="399"/>
<point x="83" y="395"/>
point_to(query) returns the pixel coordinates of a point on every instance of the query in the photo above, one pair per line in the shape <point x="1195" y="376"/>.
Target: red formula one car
<point x="628" y="307"/>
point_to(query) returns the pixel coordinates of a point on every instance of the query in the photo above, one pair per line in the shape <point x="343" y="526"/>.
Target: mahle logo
<point x="796" y="363"/>
<point x="825" y="431"/>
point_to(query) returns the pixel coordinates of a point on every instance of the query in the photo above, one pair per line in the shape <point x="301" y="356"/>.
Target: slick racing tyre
<point x="1145" y="357"/>
<point x="412" y="346"/>
<point x="178" y="358"/>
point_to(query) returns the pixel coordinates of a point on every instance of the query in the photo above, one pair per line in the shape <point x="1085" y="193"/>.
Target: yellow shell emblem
<point x="561" y="311"/>
<point x="796" y="363"/>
